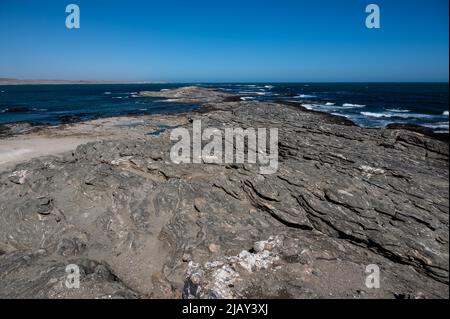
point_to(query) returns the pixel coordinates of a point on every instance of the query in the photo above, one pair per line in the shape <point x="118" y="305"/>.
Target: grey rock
<point x="138" y="225"/>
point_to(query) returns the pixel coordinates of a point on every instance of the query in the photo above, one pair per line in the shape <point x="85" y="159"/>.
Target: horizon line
<point x="16" y="81"/>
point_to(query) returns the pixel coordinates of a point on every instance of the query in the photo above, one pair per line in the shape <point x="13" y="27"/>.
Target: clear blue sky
<point x="225" y="40"/>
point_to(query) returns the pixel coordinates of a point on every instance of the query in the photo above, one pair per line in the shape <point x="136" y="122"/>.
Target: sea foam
<point x="309" y="106"/>
<point x="398" y="110"/>
<point x="352" y="105"/>
<point x="399" y="115"/>
<point x="438" y="125"/>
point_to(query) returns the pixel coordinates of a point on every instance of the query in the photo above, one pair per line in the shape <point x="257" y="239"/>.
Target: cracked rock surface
<point x="140" y="226"/>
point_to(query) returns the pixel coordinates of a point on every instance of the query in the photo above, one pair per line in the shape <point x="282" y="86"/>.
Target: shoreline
<point x="425" y="122"/>
<point x="227" y="97"/>
<point x="10" y="82"/>
<point x="12" y="135"/>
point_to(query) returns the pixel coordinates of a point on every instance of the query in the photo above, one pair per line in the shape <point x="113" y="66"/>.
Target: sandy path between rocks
<point x="23" y="148"/>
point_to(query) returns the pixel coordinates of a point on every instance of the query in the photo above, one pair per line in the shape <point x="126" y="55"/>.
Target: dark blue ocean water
<point x="367" y="104"/>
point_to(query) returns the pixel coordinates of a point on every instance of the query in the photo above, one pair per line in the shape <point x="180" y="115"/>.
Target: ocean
<point x="366" y="104"/>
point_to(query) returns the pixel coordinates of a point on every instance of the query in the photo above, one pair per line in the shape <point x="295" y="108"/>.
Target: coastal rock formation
<point x="191" y="94"/>
<point x="140" y="226"/>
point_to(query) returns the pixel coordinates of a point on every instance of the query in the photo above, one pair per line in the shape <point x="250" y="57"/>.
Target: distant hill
<point x="8" y="81"/>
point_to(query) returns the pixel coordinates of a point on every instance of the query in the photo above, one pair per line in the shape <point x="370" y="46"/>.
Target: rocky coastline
<point x="140" y="226"/>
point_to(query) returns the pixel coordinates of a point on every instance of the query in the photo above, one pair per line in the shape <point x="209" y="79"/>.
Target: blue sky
<point x="225" y="41"/>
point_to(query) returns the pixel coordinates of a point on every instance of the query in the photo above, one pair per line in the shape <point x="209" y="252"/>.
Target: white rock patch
<point x="219" y="276"/>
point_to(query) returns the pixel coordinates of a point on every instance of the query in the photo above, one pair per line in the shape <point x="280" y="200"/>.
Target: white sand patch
<point x="21" y="149"/>
<point x="219" y="275"/>
<point x="11" y="155"/>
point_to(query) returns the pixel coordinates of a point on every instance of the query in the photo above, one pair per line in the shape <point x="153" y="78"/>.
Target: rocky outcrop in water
<point x="140" y="226"/>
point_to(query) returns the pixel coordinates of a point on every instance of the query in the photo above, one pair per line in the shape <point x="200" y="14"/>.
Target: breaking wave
<point x="398" y="115"/>
<point x="353" y="105"/>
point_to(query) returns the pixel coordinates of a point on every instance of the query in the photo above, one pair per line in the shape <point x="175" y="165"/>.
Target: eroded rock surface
<point x="190" y="94"/>
<point x="141" y="226"/>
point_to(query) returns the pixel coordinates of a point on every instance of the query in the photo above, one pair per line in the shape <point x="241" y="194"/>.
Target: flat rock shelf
<point x="140" y="226"/>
